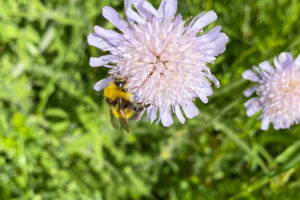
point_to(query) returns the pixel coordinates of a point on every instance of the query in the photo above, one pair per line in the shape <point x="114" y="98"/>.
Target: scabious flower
<point x="163" y="59"/>
<point x="278" y="92"/>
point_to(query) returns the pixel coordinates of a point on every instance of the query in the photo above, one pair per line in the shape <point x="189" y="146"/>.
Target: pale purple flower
<point x="163" y="59"/>
<point x="278" y="92"/>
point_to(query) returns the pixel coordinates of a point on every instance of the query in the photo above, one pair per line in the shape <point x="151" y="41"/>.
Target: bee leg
<point x="139" y="109"/>
<point x="147" y="105"/>
<point x="134" y="107"/>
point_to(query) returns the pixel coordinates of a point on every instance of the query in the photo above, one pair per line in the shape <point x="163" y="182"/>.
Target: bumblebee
<point x="122" y="108"/>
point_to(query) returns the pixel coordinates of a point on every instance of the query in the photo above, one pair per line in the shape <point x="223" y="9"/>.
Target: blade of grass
<point x="243" y="145"/>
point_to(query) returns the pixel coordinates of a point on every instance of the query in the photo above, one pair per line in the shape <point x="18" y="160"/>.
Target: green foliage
<point x="56" y="141"/>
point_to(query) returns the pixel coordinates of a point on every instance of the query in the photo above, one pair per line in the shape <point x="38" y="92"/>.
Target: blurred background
<point x="56" y="141"/>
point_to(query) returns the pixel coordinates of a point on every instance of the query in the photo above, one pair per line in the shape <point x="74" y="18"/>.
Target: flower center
<point x="293" y="84"/>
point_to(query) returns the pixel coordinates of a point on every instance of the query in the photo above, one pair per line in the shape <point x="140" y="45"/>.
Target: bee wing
<point x="124" y="121"/>
<point x="114" y="121"/>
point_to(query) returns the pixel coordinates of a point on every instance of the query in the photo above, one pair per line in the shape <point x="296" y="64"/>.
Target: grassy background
<point x="55" y="138"/>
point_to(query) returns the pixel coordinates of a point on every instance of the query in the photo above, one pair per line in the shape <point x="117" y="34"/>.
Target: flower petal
<point x="277" y="64"/>
<point x="151" y="113"/>
<point x="142" y="6"/>
<point x="113" y="16"/>
<point x="194" y="19"/>
<point x="158" y="120"/>
<point x="265" y="124"/>
<point x="251" y="76"/>
<point x="217" y="46"/>
<point x="94" y="40"/>
<point x="286" y="59"/>
<point x="179" y="114"/>
<point x="210" y="36"/>
<point x="101" y="61"/>
<point x="206" y="91"/>
<point x="100" y="85"/>
<point x="167" y="9"/>
<point x="148" y="6"/>
<point x="276" y="125"/>
<point x="266" y="66"/>
<point x="136" y="3"/>
<point x="203" y="98"/>
<point x="214" y="80"/>
<point x="166" y="117"/>
<point x="203" y="21"/>
<point x="253" y="106"/>
<point x="107" y="34"/>
<point x="250" y="91"/>
<point x="128" y="3"/>
<point x="190" y="110"/>
<point x="133" y="16"/>
<point x="297" y="61"/>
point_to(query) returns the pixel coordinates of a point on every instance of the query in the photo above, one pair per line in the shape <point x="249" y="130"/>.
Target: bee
<point x="121" y="107"/>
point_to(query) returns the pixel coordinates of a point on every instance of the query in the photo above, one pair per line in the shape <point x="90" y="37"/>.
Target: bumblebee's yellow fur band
<point x="113" y="92"/>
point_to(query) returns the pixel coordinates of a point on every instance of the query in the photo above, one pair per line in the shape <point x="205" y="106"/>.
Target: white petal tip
<point x="190" y="110"/>
<point x="250" y="75"/>
<point x="166" y="118"/>
<point x="100" y="85"/>
<point x="179" y="115"/>
<point x="101" y="61"/>
<point x="204" y="20"/>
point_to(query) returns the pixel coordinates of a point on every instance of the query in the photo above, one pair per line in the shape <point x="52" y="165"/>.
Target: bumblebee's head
<point x="120" y="82"/>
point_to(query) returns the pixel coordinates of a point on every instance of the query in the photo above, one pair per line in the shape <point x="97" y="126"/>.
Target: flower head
<point x="278" y="92"/>
<point x="163" y="59"/>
